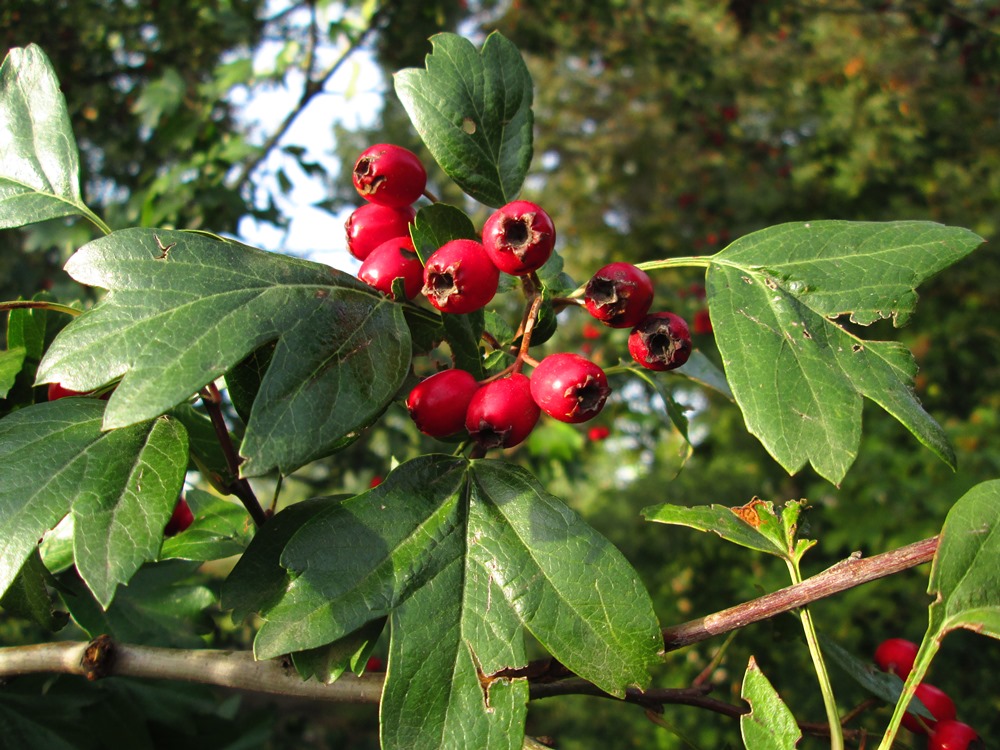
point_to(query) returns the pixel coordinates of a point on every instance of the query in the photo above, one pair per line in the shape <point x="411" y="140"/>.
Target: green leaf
<point x="438" y="224"/>
<point x="258" y="581"/>
<point x="355" y="561"/>
<point x="54" y="457"/>
<point x="328" y="663"/>
<point x="39" y="163"/>
<point x="163" y="605"/>
<point x="447" y="639"/>
<point x="185" y="308"/>
<point x="28" y="596"/>
<point x="769" y="725"/>
<point x="11" y="362"/>
<point x="885" y="685"/>
<point x="220" y="529"/>
<point x="473" y="110"/>
<point x="362" y="558"/>
<point x="118" y="525"/>
<point x="798" y="376"/>
<point x="754" y="525"/>
<point x="703" y="371"/>
<point x="965" y="579"/>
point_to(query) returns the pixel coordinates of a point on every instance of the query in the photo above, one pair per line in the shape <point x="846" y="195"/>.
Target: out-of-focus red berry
<point x="597" y="434"/>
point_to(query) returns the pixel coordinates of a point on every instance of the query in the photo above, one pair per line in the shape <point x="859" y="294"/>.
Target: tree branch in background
<point x="310" y="89"/>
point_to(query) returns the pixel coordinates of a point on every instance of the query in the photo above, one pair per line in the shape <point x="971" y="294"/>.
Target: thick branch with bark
<point x="236" y="669"/>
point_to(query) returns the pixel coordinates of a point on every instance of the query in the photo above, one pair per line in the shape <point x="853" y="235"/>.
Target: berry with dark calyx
<point x="460" y="277"/>
<point x="519" y="237"/>
<point x="934" y="700"/>
<point x="661" y="341"/>
<point x="180" y="520"/>
<point x="371" y="224"/>
<point x="502" y="413"/>
<point x="949" y="734"/>
<point x="619" y="295"/>
<point x="438" y="404"/>
<point x="389" y="175"/>
<point x="395" y="259"/>
<point x="896" y="655"/>
<point x="569" y="388"/>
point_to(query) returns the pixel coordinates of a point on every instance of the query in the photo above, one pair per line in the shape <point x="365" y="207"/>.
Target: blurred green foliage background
<point x="662" y="129"/>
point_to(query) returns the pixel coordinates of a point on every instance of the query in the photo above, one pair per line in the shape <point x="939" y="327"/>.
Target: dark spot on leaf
<point x="856" y="348"/>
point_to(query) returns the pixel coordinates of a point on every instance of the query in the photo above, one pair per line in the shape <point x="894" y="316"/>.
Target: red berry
<point x="519" y="237"/>
<point x="438" y="404"/>
<point x="896" y="655"/>
<point x="619" y="295"/>
<point x="702" y="323"/>
<point x="569" y="387"/>
<point x="502" y="412"/>
<point x="590" y="331"/>
<point x="375" y="482"/>
<point x="371" y="224"/>
<point x="389" y="175"/>
<point x="395" y="259"/>
<point x="180" y="520"/>
<point x="661" y="341"/>
<point x="374" y="664"/>
<point x="937" y="702"/>
<point x="57" y="391"/>
<point x="949" y="734"/>
<point x="460" y="277"/>
<point x="597" y="434"/>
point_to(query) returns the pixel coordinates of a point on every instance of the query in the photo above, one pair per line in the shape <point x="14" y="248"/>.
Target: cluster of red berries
<point x="463" y="275"/>
<point x="897" y="655"/>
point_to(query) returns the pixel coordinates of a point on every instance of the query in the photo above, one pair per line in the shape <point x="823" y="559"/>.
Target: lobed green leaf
<point x="473" y="111"/>
<point x="798" y="376"/>
<point x="185" y="308"/>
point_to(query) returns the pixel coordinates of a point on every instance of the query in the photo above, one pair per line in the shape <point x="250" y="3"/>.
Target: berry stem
<point x="829" y="702"/>
<point x="430" y="196"/>
<point x="29" y="304"/>
<point x="240" y="487"/>
<point x="688" y="261"/>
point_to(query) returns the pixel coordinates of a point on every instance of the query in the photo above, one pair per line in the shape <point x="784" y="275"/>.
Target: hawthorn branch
<point x="846" y="574"/>
<point x="239" y="670"/>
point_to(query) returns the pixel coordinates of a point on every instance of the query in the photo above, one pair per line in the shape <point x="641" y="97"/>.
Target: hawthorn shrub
<point x="207" y="361"/>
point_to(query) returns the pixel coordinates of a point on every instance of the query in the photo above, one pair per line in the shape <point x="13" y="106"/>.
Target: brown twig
<point x="846" y="574"/>
<point x="239" y="486"/>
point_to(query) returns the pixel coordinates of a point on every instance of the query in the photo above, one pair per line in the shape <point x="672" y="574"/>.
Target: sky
<point x="352" y="97"/>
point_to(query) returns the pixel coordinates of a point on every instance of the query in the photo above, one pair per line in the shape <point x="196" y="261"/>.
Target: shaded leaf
<point x="258" y="580"/>
<point x="799" y="376"/>
<point x="438" y="224"/>
<point x="473" y="111"/>
<point x="55" y="455"/>
<point x="11" y="362"/>
<point x="327" y="663"/>
<point x="39" y="162"/>
<point x="769" y="724"/>
<point x="28" y="596"/>
<point x="220" y="529"/>
<point x="184" y="308"/>
<point x="163" y="605"/>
